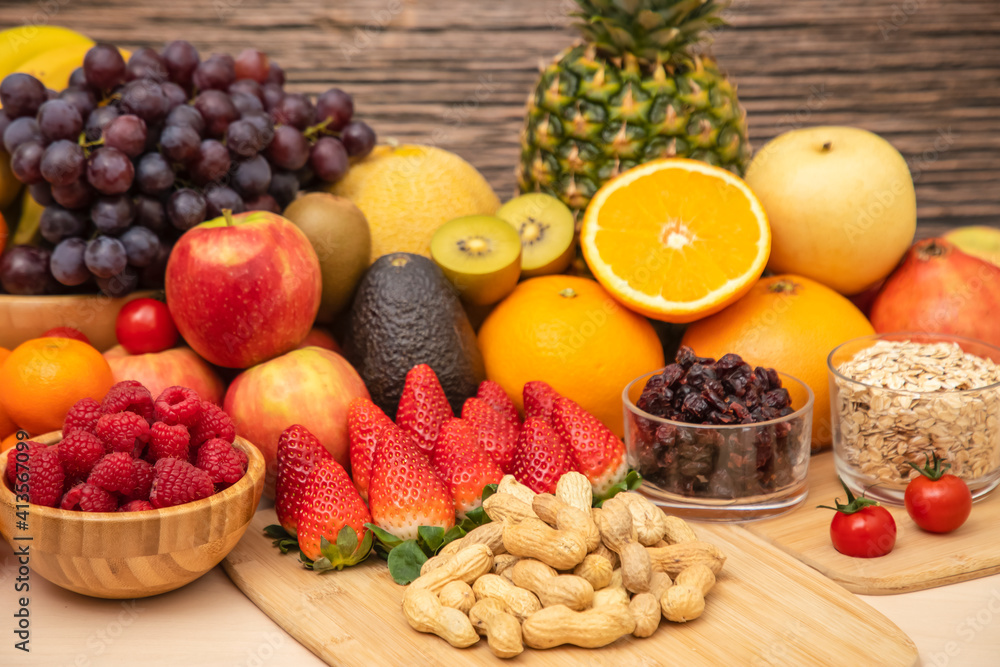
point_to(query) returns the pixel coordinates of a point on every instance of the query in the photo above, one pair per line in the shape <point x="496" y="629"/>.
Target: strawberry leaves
<point x="632" y="481"/>
<point x="281" y="538"/>
<point x="344" y="553"/>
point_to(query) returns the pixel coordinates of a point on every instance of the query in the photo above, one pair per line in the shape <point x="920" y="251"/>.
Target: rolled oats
<point x="902" y="403"/>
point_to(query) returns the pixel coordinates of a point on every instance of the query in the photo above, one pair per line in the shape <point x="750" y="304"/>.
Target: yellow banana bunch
<point x="23" y="43"/>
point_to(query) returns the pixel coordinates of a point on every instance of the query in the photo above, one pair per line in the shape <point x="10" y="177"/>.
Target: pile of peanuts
<point x="551" y="570"/>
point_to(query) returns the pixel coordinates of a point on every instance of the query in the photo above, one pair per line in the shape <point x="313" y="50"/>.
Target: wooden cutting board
<point x="767" y="608"/>
<point x="919" y="560"/>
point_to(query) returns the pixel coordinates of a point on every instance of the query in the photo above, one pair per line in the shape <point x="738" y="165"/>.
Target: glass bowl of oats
<point x="897" y="397"/>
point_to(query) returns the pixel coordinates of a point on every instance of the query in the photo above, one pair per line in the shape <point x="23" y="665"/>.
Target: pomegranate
<point x="939" y="289"/>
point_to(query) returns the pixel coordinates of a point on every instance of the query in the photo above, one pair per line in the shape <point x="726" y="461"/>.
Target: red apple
<point x="243" y="288"/>
<point x="159" y="370"/>
<point x="320" y="338"/>
<point x="311" y="387"/>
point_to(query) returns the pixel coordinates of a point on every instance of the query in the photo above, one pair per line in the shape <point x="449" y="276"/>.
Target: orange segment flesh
<point x="676" y="239"/>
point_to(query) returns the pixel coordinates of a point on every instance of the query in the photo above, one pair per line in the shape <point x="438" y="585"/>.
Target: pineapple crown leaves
<point x="651" y="30"/>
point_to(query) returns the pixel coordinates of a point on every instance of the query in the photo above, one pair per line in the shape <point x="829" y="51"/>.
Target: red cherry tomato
<point x="937" y="502"/>
<point x="145" y="325"/>
<point x="861" y="528"/>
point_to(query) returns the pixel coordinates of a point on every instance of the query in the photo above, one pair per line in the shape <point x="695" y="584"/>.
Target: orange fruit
<point x="676" y="239"/>
<point x="42" y="378"/>
<point x="569" y="332"/>
<point x="788" y="323"/>
<point x="7" y="425"/>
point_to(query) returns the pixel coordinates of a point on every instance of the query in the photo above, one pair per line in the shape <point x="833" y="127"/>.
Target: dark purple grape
<point x="141" y="246"/>
<point x="187" y="115"/>
<point x="243" y="139"/>
<point x="175" y="95"/>
<point x="77" y="194"/>
<point x="24" y="270"/>
<point x="329" y="159"/>
<point x="152" y="138"/>
<point x="77" y="79"/>
<point x="335" y="107"/>
<point x="186" y="208"/>
<point x="67" y="263"/>
<point x="181" y="60"/>
<point x="263" y="123"/>
<point x="216" y="73"/>
<point x="121" y="284"/>
<point x="149" y="213"/>
<point x="41" y="193"/>
<point x="284" y="187"/>
<point x="306" y="176"/>
<point x="252" y="64"/>
<point x="153" y="174"/>
<point x="110" y="171"/>
<point x="26" y="162"/>
<point x="20" y="131"/>
<point x="80" y="99"/>
<point x="179" y="143"/>
<point x="288" y="149"/>
<point x="63" y="162"/>
<point x="211" y="163"/>
<point x="252" y="177"/>
<point x="246" y="103"/>
<point x="146" y="63"/>
<point x="151" y="277"/>
<point x="126" y="133"/>
<point x="58" y="119"/>
<point x="220" y="197"/>
<point x="217" y="110"/>
<point x="146" y="100"/>
<point x="93" y="129"/>
<point x="248" y="87"/>
<point x="58" y="223"/>
<point x="5" y="120"/>
<point x="104" y="67"/>
<point x="275" y="75"/>
<point x="264" y="202"/>
<point x="112" y="215"/>
<point x="358" y="138"/>
<point x="271" y="93"/>
<point x="105" y="256"/>
<point x="21" y="95"/>
<point x="295" y="110"/>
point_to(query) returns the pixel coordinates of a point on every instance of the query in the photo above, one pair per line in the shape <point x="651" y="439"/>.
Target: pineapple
<point x="634" y="91"/>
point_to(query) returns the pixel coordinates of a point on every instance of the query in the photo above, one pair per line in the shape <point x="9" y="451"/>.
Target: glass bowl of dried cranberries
<point x="719" y="440"/>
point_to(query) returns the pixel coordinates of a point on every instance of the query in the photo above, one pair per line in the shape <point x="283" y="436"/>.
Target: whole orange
<point x="43" y="377"/>
<point x="788" y="323"/>
<point x="7" y="425"/>
<point x="569" y="332"/>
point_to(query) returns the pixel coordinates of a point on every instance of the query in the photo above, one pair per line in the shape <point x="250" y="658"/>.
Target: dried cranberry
<point x="672" y="374"/>
<point x="728" y="363"/>
<point x="777" y="398"/>
<point x="686" y="357"/>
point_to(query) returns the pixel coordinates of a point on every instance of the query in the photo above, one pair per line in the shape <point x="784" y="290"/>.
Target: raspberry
<point x="177" y="482"/>
<point x="79" y="451"/>
<point x="82" y="416"/>
<point x="166" y="441"/>
<point x="129" y="396"/>
<point x="113" y="473"/>
<point x="214" y="423"/>
<point x="89" y="498"/>
<point x="178" y="405"/>
<point x="136" y="506"/>
<point x="123" y="432"/>
<point x="142" y="480"/>
<point x="12" y="459"/>
<point x="44" y="474"/>
<point x="224" y="463"/>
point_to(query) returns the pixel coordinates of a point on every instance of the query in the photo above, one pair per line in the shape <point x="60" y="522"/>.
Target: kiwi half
<point x="480" y="255"/>
<point x="547" y="230"/>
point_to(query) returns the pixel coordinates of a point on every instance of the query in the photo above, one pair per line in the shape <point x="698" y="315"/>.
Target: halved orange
<point x="676" y="239"/>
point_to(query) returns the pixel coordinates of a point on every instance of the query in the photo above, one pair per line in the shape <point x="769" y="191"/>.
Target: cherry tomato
<point x="937" y="502"/>
<point x="145" y="325"/>
<point x="861" y="528"/>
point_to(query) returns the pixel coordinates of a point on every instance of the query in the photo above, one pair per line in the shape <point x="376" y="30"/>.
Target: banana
<point x="21" y="44"/>
<point x="27" y="232"/>
<point x="54" y="67"/>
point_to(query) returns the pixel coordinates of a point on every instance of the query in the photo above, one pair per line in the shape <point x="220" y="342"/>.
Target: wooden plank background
<point x="455" y="73"/>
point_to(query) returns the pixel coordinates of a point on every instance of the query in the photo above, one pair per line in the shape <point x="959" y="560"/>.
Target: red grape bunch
<point x="132" y="154"/>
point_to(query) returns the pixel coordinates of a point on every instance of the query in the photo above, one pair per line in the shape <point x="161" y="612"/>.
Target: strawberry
<point x="538" y="400"/>
<point x="595" y="450"/>
<point x="404" y="493"/>
<point x="493" y="395"/>
<point x="541" y="458"/>
<point x="365" y="421"/>
<point x="298" y="451"/>
<point x="463" y="465"/>
<point x="423" y="406"/>
<point x="494" y="433"/>
<point x="330" y="505"/>
<point x="176" y="482"/>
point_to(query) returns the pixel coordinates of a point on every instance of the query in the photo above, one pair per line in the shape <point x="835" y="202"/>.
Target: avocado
<point x="405" y="312"/>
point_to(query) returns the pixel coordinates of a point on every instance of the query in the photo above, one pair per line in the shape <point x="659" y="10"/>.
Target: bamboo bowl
<point x="134" y="554"/>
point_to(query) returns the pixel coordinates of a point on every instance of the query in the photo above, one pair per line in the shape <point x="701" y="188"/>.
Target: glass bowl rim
<point x="945" y="337"/>
<point x="805" y="409"/>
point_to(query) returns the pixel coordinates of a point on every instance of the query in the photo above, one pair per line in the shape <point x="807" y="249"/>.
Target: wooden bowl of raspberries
<point x="136" y="496"/>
